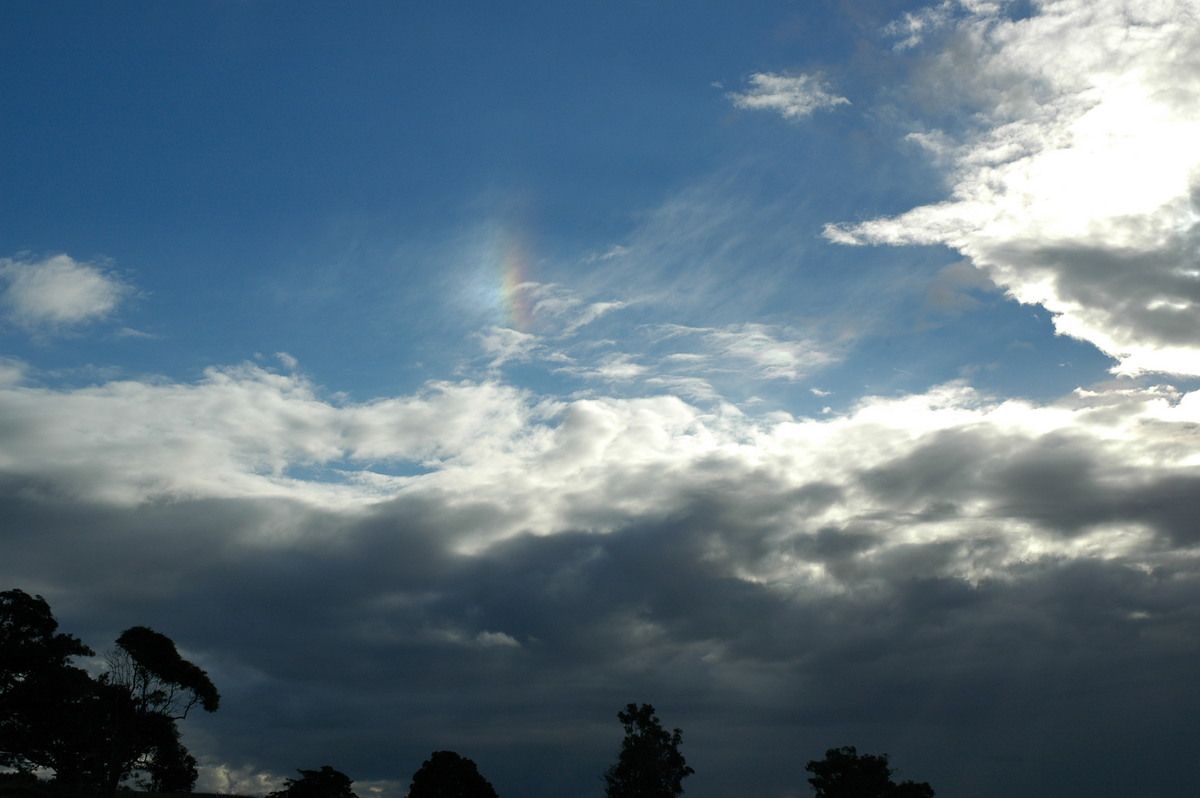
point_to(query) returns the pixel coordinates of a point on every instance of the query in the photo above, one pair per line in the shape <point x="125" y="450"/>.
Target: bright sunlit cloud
<point x="1075" y="188"/>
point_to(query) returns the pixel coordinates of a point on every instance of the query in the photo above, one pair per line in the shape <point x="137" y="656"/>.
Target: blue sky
<point x="450" y="375"/>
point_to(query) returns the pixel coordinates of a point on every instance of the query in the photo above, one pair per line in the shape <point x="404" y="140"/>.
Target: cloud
<point x="505" y="345"/>
<point x="792" y="96"/>
<point x="563" y="312"/>
<point x="588" y="339"/>
<point x="59" y="291"/>
<point x="222" y="779"/>
<point x="761" y="351"/>
<point x="551" y="559"/>
<point x="497" y="639"/>
<point x="914" y="26"/>
<point x="555" y="466"/>
<point x="1074" y="179"/>
<point x="12" y="371"/>
<point x="611" y="367"/>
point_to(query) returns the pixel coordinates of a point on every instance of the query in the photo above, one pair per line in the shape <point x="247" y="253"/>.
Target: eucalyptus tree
<point x="94" y="732"/>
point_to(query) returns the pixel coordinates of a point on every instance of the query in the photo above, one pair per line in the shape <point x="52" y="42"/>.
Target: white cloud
<point x="1075" y="187"/>
<point x="915" y="25"/>
<point x="792" y="96"/>
<point x="612" y="367"/>
<point x="229" y="780"/>
<point x="59" y="291"/>
<point x="773" y="358"/>
<point x="564" y="312"/>
<point x="496" y="640"/>
<point x="240" y="432"/>
<point x="761" y="351"/>
<point x="504" y="344"/>
<point x="615" y="251"/>
<point x="499" y="462"/>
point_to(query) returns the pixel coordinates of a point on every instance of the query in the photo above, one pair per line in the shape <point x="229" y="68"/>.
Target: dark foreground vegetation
<point x="103" y="736"/>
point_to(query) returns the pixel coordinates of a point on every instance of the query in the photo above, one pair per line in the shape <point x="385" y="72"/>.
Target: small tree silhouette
<point x="323" y="783"/>
<point x="844" y="773"/>
<point x="447" y="775"/>
<point x="649" y="764"/>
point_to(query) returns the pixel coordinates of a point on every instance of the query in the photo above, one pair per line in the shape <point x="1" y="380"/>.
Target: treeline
<point x="101" y="735"/>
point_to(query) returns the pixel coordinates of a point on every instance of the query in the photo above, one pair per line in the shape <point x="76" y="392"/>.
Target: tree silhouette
<point x="45" y="701"/>
<point x="323" y="783"/>
<point x="844" y="773"/>
<point x="161" y="682"/>
<point x="169" y="767"/>
<point x="447" y="775"/>
<point x="94" y="733"/>
<point x="649" y="764"/>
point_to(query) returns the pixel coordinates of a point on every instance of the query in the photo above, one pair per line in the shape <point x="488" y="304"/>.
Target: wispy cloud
<point x="58" y="291"/>
<point x="750" y="349"/>
<point x="505" y="345"/>
<point x="613" y="367"/>
<point x="792" y="96"/>
<point x="914" y="26"/>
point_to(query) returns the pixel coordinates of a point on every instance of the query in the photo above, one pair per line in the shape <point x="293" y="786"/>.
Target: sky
<point x="446" y="376"/>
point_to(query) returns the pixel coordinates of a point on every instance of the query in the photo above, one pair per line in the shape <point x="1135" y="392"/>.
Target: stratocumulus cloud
<point x="1074" y="183"/>
<point x="616" y="541"/>
<point x="950" y="447"/>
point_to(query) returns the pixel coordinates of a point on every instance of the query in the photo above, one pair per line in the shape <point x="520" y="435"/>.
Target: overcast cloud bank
<point x="617" y="542"/>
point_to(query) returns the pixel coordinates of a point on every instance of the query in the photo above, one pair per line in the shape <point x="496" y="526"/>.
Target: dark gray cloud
<point x="1005" y="602"/>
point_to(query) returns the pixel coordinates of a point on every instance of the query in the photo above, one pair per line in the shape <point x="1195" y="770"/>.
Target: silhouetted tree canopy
<point x="160" y="681"/>
<point x="844" y="773"/>
<point x="94" y="733"/>
<point x="649" y="764"/>
<point x="447" y="775"/>
<point x="44" y="699"/>
<point x="323" y="783"/>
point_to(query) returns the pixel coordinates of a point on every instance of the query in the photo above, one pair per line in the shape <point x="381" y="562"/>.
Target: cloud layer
<point x="894" y="556"/>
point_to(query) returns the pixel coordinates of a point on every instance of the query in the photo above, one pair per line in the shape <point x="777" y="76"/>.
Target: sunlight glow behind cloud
<point x="1076" y="189"/>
